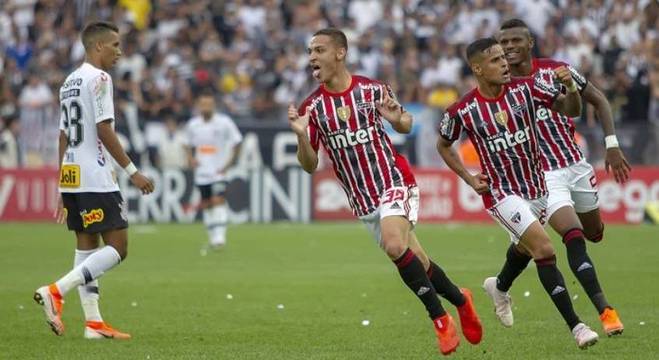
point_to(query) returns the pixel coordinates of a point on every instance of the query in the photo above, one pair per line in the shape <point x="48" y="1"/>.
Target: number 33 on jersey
<point x="86" y="100"/>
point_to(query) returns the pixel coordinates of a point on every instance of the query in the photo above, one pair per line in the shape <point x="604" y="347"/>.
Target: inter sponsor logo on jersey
<point x="504" y="141"/>
<point x="70" y="176"/>
<point x="542" y="114"/>
<point x="347" y="138"/>
<point x="92" y="216"/>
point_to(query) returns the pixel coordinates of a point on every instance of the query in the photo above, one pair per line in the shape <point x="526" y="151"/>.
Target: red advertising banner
<point x="28" y="194"/>
<point x="31" y="195"/>
<point x="446" y="198"/>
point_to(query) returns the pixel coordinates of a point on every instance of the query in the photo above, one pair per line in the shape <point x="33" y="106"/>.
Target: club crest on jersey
<point x="518" y="109"/>
<point x="501" y="118"/>
<point x="343" y="112"/>
<point x="365" y="108"/>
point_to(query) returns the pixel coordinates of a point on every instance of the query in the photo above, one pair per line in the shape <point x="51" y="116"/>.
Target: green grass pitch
<point x="329" y="278"/>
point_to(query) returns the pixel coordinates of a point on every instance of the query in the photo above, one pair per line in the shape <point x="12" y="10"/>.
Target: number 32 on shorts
<point x="394" y="194"/>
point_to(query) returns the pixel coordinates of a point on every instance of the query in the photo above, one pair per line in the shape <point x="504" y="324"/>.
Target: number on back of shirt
<point x="73" y="123"/>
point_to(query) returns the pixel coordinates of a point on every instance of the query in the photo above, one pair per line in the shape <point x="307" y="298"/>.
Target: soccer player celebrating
<point x="91" y="202"/>
<point x="345" y="114"/>
<point x="499" y="116"/>
<point x="572" y="203"/>
<point x="213" y="146"/>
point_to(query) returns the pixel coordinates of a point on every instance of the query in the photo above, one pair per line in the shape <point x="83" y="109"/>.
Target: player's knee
<point x="543" y="251"/>
<point x="219" y="200"/>
<point x="393" y="246"/>
<point x="123" y="253"/>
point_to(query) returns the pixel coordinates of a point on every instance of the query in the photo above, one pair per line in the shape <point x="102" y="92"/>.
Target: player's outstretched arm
<point x="478" y="182"/>
<point x="615" y="159"/>
<point x="570" y="103"/>
<point x="306" y="155"/>
<point x="393" y="112"/>
<point x="111" y="142"/>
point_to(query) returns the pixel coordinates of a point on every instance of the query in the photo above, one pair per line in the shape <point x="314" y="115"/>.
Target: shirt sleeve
<point x="579" y="79"/>
<point x="450" y="127"/>
<point x="544" y="93"/>
<point x="101" y="92"/>
<point x="236" y="135"/>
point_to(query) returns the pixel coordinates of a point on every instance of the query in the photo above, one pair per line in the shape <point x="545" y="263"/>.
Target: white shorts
<point x="397" y="201"/>
<point x="574" y="186"/>
<point x="516" y="214"/>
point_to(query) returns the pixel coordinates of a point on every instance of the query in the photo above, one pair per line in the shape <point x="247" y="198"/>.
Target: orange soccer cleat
<point x="447" y="337"/>
<point x="611" y="322"/>
<point x="103" y="330"/>
<point x="469" y="321"/>
<point x="50" y="299"/>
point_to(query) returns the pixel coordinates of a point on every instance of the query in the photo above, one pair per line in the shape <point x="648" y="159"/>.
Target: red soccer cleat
<point x="447" y="337"/>
<point x="469" y="321"/>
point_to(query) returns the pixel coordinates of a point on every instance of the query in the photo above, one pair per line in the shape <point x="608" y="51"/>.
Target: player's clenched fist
<point x="298" y="123"/>
<point x="564" y="76"/>
<point x="479" y="183"/>
<point x="142" y="182"/>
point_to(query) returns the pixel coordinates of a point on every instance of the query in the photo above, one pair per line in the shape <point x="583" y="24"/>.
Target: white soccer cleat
<point x="103" y="330"/>
<point x="584" y="336"/>
<point x="502" y="301"/>
<point x="218" y="240"/>
<point x="51" y="302"/>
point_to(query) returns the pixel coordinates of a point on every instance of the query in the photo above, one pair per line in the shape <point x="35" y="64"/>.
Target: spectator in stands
<point x="36" y="103"/>
<point x="251" y="53"/>
<point x="9" y="152"/>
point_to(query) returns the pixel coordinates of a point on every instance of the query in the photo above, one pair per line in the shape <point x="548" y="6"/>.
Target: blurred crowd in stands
<point x="253" y="55"/>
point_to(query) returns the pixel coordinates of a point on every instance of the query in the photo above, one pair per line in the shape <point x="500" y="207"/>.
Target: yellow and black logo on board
<point x="70" y="176"/>
<point x="93" y="216"/>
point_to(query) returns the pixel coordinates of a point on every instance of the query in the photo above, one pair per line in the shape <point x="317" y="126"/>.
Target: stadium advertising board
<point x="446" y="198"/>
<point x="268" y="185"/>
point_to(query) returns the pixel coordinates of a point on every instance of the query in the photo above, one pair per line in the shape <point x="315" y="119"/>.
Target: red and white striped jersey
<point x="503" y="132"/>
<point x="352" y="132"/>
<point x="558" y="148"/>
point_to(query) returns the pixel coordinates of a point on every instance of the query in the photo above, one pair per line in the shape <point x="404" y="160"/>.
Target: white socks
<point x="215" y="220"/>
<point x="221" y="214"/>
<point x="88" y="293"/>
<point x="91" y="268"/>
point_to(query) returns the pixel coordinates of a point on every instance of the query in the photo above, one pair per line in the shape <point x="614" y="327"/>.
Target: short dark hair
<point x="338" y="37"/>
<point x="480" y="45"/>
<point x="513" y="23"/>
<point x="93" y="29"/>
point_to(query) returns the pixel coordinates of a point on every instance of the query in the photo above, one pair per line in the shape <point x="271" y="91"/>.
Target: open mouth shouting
<point x="315" y="71"/>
